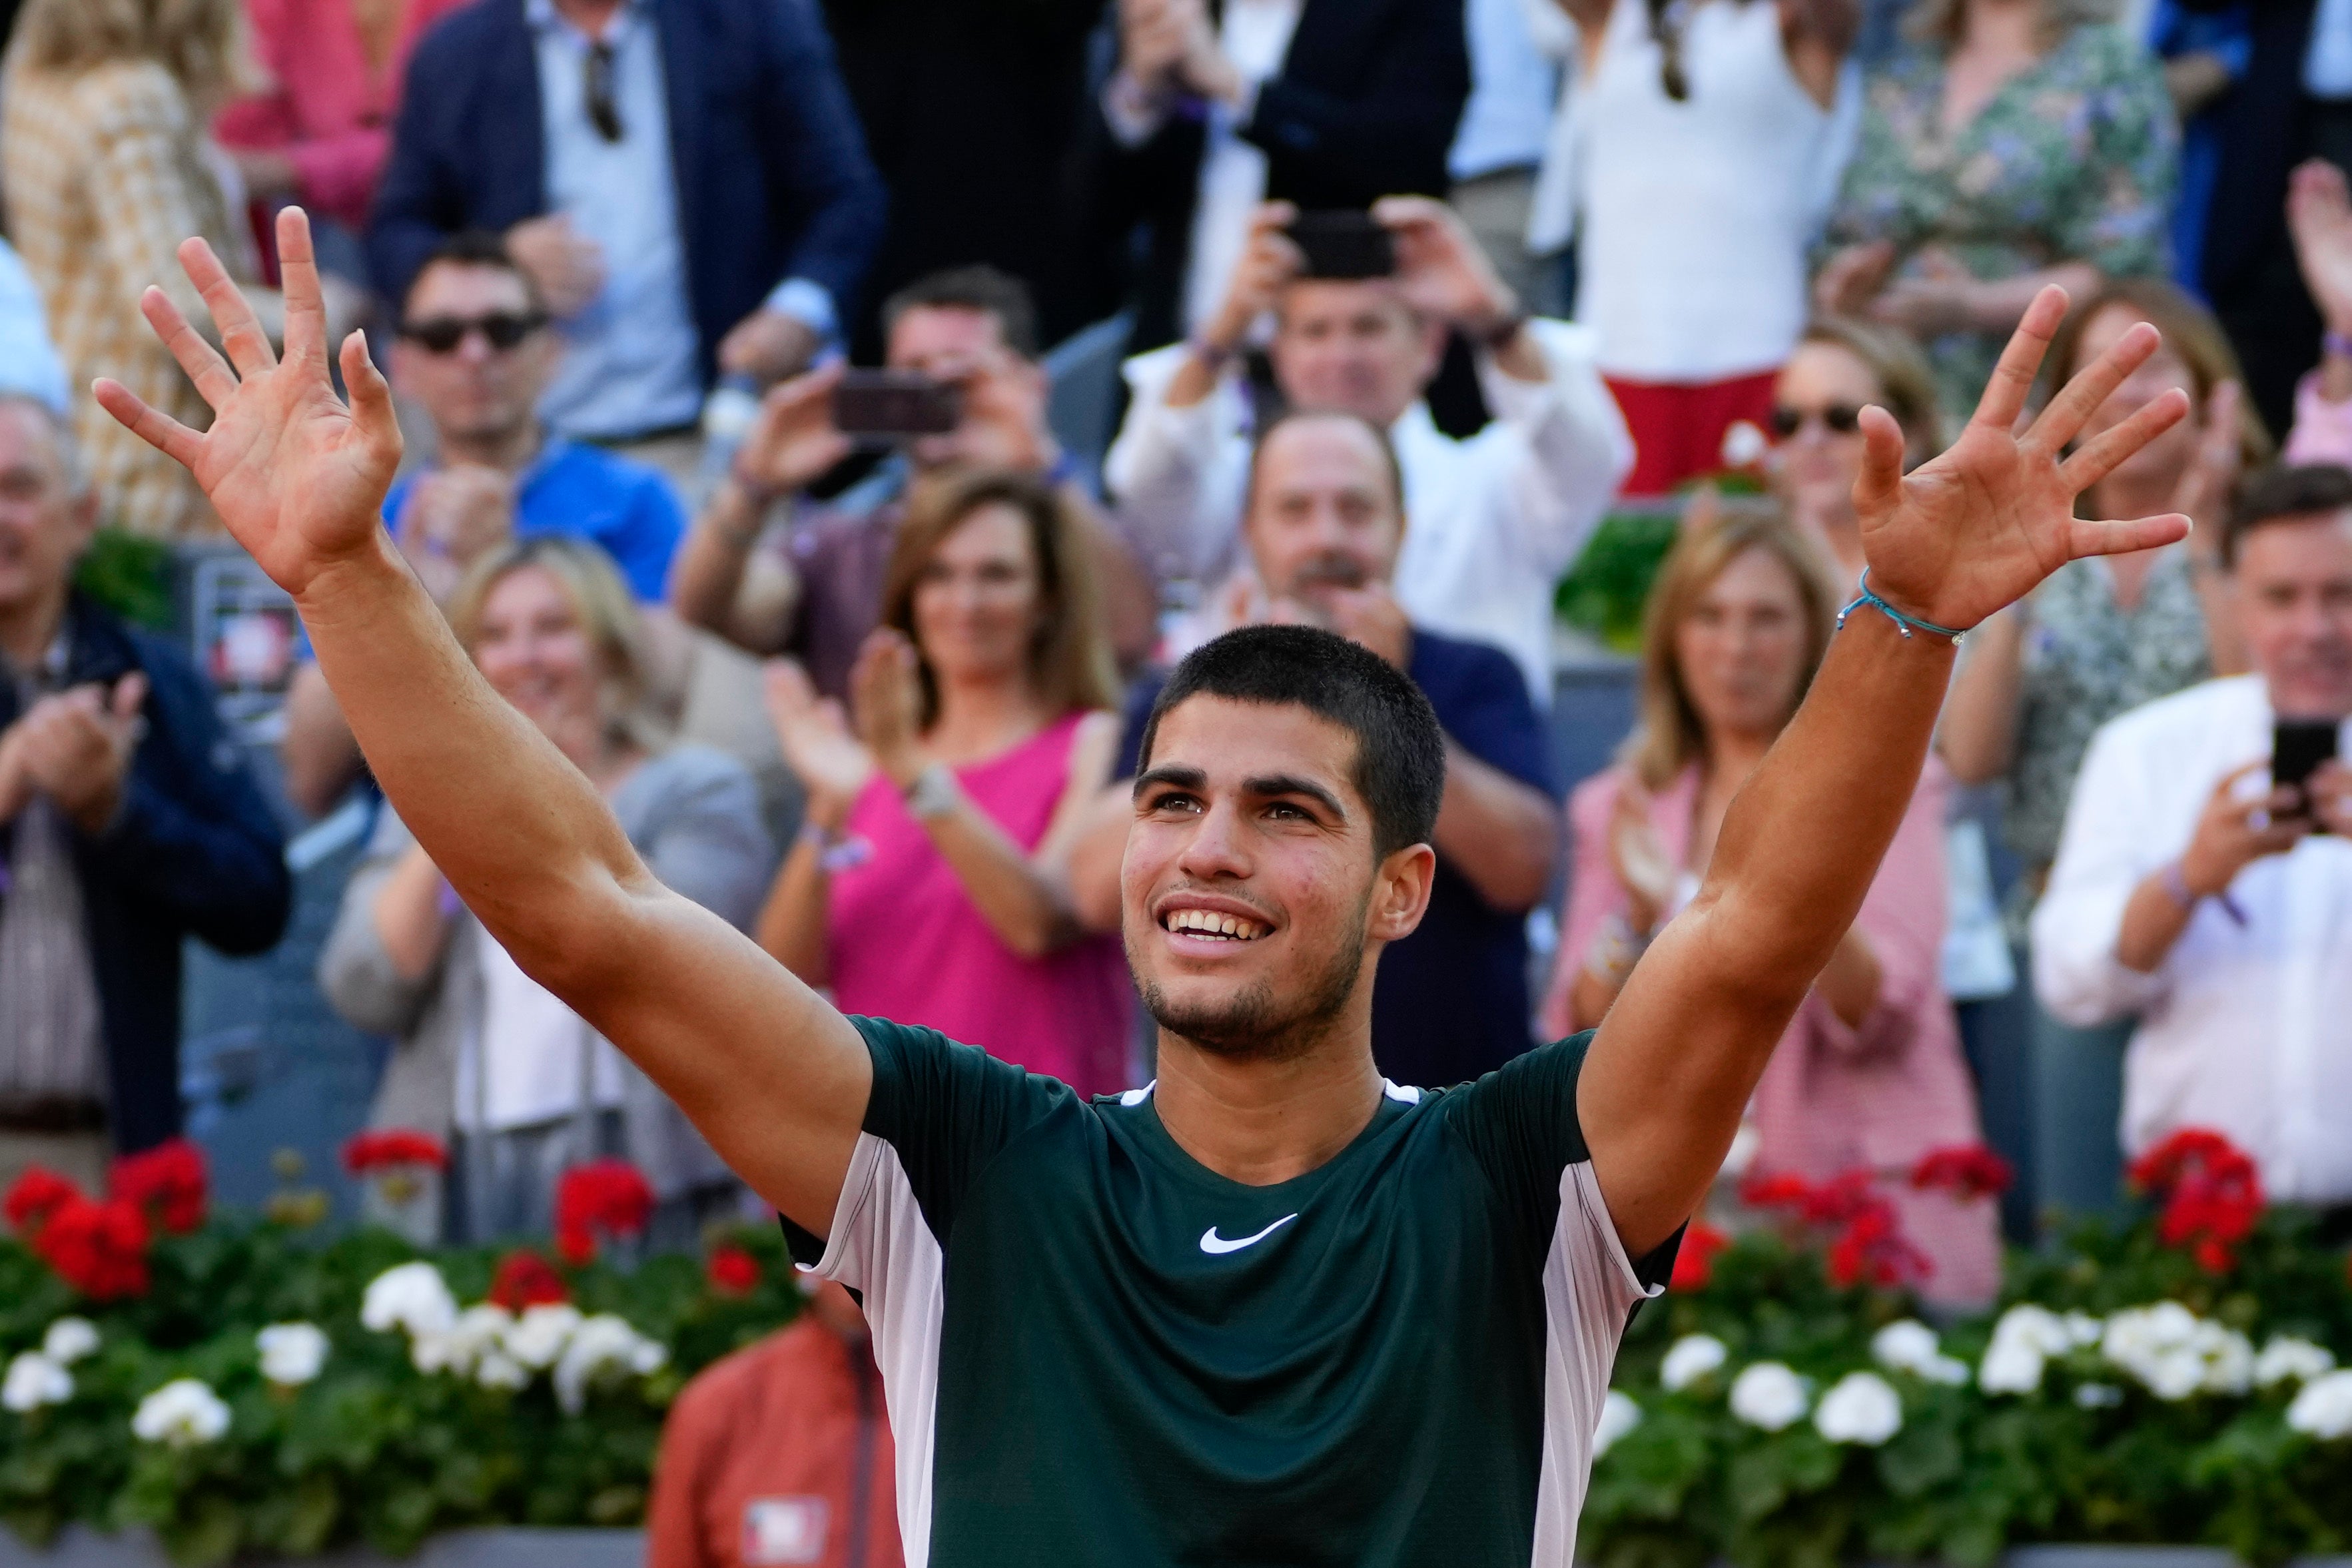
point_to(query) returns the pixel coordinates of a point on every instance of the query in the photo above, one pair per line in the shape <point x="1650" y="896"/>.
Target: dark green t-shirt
<point x="1097" y="1350"/>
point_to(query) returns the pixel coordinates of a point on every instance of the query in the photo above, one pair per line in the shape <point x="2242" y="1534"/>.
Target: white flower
<point x="68" y="1340"/>
<point x="33" y="1381"/>
<point x="2011" y="1366"/>
<point x="1689" y="1358"/>
<point x="1769" y="1395"/>
<point x="2287" y="1358"/>
<point x="2037" y="1327"/>
<point x="1619" y="1416"/>
<point x="2098" y="1396"/>
<point x="291" y="1353"/>
<point x="499" y="1370"/>
<point x="2085" y="1329"/>
<point x="601" y="1346"/>
<point x="182" y="1413"/>
<point x="479" y="1331"/>
<point x="1743" y="444"/>
<point x="537" y="1338"/>
<point x="1909" y="1345"/>
<point x="2024" y="1342"/>
<point x="2324" y="1408"/>
<point x="2174" y="1353"/>
<point x="1950" y="1371"/>
<point x="1860" y="1407"/>
<point x="411" y="1297"/>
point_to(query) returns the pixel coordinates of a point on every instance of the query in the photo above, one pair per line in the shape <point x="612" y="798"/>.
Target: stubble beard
<point x="1247" y="1025"/>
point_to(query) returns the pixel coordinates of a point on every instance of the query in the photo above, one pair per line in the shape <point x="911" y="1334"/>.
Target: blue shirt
<point x="585" y="493"/>
<point x="630" y="363"/>
<point x="1513" y="88"/>
<point x="1451" y="1002"/>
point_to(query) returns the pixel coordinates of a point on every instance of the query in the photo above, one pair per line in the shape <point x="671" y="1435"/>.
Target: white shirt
<point x="1513" y="87"/>
<point x="527" y="1066"/>
<point x="1492" y="524"/>
<point x="2327" y="60"/>
<point x="2244" y="1029"/>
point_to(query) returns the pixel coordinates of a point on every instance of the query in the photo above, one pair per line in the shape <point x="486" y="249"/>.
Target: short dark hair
<point x="1300" y="416"/>
<point x="1400" y="750"/>
<point x="472" y="248"/>
<point x="2283" y="493"/>
<point x="977" y="288"/>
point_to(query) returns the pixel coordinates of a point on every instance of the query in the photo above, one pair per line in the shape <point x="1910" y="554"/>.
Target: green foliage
<point x="1604" y="594"/>
<point x="129" y="574"/>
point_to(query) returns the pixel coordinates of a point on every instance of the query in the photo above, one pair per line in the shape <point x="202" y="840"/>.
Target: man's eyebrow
<point x="1273" y="784"/>
<point x="1170" y="777"/>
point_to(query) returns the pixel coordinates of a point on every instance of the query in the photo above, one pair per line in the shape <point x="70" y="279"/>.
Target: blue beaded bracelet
<point x="1903" y="623"/>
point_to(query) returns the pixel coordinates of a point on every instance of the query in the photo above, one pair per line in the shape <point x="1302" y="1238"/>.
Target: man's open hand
<point x="298" y="478"/>
<point x="1977" y="528"/>
<point x="75" y="748"/>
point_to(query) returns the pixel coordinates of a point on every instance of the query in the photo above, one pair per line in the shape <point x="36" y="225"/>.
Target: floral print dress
<point x="2073" y="159"/>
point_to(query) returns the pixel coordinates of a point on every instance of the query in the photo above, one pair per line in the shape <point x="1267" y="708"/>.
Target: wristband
<point x="1214" y="357"/>
<point x="934" y="793"/>
<point x="2174" y="883"/>
<point x="1903" y="623"/>
<point x="2336" y="344"/>
<point x="834" y="853"/>
<point x="1497" y="338"/>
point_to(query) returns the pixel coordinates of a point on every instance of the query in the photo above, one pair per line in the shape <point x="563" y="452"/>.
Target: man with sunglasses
<point x="475" y="353"/>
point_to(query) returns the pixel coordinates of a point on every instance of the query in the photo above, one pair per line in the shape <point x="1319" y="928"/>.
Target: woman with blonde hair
<point x="528" y="1088"/>
<point x="1840" y="367"/>
<point x="107" y="169"/>
<point x="928" y="883"/>
<point x="1870" y="1074"/>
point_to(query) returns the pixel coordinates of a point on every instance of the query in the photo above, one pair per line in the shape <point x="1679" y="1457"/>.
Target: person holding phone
<point x="2203" y="891"/>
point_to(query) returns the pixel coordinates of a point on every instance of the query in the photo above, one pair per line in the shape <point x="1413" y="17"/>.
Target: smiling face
<point x="536" y="652"/>
<point x="1252" y="901"/>
<point x="2163" y="460"/>
<point x="979" y="601"/>
<point x="1741" y="648"/>
<point x="1823" y="386"/>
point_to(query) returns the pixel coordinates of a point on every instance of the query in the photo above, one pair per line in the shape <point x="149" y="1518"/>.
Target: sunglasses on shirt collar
<point x="502" y="330"/>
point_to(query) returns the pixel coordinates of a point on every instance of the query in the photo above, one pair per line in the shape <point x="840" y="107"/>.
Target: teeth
<point x="1208" y="922"/>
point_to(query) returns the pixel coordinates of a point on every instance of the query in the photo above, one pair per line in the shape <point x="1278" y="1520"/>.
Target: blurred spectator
<point x="938" y="825"/>
<point x="2014" y="145"/>
<point x="473" y="353"/>
<point x="818" y="595"/>
<point x="1870" y="1074"/>
<point x="320" y="129"/>
<point x="2205" y="51"/>
<point x="128" y="824"/>
<point x="1496" y="520"/>
<point x="28" y="360"/>
<point x="1324" y="104"/>
<point x="1706" y="165"/>
<point x="683" y="179"/>
<point x="1325" y="526"/>
<point x="482" y="1047"/>
<point x="1499" y="145"/>
<point x="2212" y="910"/>
<point x="970" y="110"/>
<point x="107" y="166"/>
<point x="781" y="1453"/>
<point x="1839" y="368"/>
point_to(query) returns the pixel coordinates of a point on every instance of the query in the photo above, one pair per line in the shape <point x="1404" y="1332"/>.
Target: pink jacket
<point x="324" y="109"/>
<point x="2322" y="430"/>
<point x="1836" y="1097"/>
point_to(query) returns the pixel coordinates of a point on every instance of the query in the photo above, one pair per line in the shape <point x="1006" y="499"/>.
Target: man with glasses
<point x="475" y="355"/>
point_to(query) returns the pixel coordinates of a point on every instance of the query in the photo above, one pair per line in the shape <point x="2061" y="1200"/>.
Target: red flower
<point x="1695" y="1261"/>
<point x="2210" y="1192"/>
<point x="732" y="1272"/>
<point x="1843" y="1198"/>
<point x="100" y="1249"/>
<point x="35" y="1195"/>
<point x="167" y="1183"/>
<point x="526" y="1280"/>
<point x="393" y="1147"/>
<point x="1967" y="1172"/>
<point x="1873" y="1250"/>
<point x="611" y="1197"/>
<point x="1781" y="1190"/>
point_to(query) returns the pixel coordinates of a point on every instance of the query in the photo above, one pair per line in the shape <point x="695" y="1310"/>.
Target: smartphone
<point x="2298" y="748"/>
<point x="1344" y="244"/>
<point x="889" y="405"/>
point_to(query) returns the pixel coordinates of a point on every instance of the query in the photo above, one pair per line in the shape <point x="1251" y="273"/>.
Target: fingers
<point x="2108" y="452"/>
<point x="2021" y="361"/>
<point x="787" y="686"/>
<point x="1880" y="484"/>
<point x="306" y="302"/>
<point x="161" y="431"/>
<point x="241" y="331"/>
<point x="371" y="397"/>
<point x="202" y="362"/>
<point x="1410" y="212"/>
<point x="2079" y="398"/>
<point x="2087" y="537"/>
<point x="129" y="697"/>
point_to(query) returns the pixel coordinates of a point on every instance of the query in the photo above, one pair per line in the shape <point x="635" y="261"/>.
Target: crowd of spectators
<point x="1372" y="309"/>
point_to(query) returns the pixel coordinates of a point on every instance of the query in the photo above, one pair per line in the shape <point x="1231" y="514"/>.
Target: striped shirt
<point x="50" y="1046"/>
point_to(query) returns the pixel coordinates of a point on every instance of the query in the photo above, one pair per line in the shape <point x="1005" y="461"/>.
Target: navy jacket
<point x="773" y="178"/>
<point x="195" y="852"/>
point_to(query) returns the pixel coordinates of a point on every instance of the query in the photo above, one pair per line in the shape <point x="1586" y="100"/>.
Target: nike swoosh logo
<point x="1214" y="1244"/>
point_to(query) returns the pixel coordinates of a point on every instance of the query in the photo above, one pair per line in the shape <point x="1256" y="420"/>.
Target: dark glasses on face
<point x="1838" y="418"/>
<point x="500" y="329"/>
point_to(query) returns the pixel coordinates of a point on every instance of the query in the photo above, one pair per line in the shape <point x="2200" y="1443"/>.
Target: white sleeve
<point x="1175" y="475"/>
<point x="1566" y="444"/>
<point x="2112" y="841"/>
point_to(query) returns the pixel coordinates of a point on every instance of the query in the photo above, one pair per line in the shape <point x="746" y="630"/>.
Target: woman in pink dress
<point x="1870" y="1074"/>
<point x="925" y="886"/>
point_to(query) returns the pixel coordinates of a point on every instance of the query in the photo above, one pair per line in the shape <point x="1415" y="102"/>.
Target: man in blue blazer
<point x="685" y="180"/>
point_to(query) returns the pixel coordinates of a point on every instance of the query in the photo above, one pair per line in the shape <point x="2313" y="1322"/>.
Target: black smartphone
<point x="2298" y="748"/>
<point x="888" y="405"/>
<point x="1344" y="244"/>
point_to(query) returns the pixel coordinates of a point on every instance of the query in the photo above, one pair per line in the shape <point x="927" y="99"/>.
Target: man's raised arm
<point x="774" y="1077"/>
<point x="1668" y="1078"/>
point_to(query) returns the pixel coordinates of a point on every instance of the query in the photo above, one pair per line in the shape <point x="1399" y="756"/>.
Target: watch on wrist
<point x="1496" y="336"/>
<point x="934" y="793"/>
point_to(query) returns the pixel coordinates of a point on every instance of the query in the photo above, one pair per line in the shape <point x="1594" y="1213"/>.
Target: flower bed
<point x="244" y="1386"/>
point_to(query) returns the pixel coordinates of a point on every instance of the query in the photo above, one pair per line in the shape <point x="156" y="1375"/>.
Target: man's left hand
<point x="768" y="345"/>
<point x="75" y="748"/>
<point x="2329" y="790"/>
<point x="1441" y="271"/>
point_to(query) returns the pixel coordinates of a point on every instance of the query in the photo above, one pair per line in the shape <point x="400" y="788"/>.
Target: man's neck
<point x="591" y="16"/>
<point x="508" y="451"/>
<point x="27" y="630"/>
<point x="1260" y="1122"/>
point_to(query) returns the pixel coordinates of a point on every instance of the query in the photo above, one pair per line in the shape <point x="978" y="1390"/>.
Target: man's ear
<point x="1401" y="889"/>
<point x="83" y="511"/>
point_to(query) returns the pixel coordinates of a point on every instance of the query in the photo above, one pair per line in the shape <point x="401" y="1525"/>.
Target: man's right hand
<point x="795" y="440"/>
<point x="2319" y="216"/>
<point x="454" y="517"/>
<point x="1270" y="261"/>
<point x="2233" y="833"/>
<point x="567" y="267"/>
